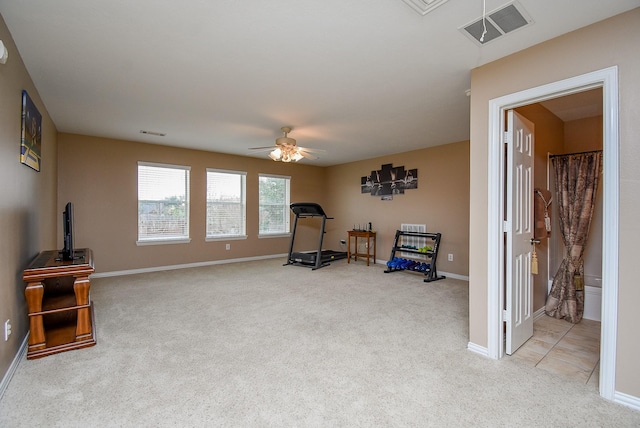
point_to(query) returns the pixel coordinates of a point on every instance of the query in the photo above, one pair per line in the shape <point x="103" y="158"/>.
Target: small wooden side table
<point x="60" y="309"/>
<point x="370" y="237"/>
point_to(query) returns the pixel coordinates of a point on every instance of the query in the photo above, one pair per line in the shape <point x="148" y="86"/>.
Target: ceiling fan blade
<point x="263" y="148"/>
<point x="307" y="155"/>
<point x="306" y="149"/>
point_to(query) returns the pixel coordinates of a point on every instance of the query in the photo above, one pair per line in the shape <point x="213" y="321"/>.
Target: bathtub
<point x="592" y="297"/>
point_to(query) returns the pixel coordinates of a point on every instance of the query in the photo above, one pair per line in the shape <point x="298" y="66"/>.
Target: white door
<point x="519" y="231"/>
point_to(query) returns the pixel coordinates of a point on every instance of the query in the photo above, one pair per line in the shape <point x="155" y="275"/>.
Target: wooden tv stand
<point x="60" y="309"/>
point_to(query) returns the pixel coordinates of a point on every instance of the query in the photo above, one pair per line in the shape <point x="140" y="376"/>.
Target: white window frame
<point x="160" y="240"/>
<point x="242" y="234"/>
<point x="287" y="215"/>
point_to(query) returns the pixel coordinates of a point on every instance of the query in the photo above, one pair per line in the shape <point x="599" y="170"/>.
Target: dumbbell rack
<point x="431" y="272"/>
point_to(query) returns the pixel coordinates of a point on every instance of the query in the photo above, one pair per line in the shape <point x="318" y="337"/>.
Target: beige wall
<point x="28" y="201"/>
<point x="100" y="177"/>
<point x="441" y="201"/>
<point x="104" y="194"/>
<point x="613" y="42"/>
<point x="582" y="135"/>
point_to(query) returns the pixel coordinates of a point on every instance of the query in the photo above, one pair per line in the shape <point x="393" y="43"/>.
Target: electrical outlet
<point x="228" y="247"/>
<point x="7" y="330"/>
<point x="450" y="257"/>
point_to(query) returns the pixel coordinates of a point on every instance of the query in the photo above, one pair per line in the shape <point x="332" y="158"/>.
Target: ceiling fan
<point x="286" y="149"/>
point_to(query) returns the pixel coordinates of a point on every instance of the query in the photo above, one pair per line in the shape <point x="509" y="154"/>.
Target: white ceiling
<point x="576" y="106"/>
<point x="357" y="78"/>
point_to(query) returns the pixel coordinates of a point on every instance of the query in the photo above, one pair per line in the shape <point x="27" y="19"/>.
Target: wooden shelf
<point x="61" y="337"/>
<point x="60" y="334"/>
<point x="59" y="302"/>
<point x="61" y="316"/>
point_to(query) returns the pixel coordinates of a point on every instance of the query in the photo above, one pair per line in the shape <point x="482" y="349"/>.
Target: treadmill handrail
<point x="308" y="209"/>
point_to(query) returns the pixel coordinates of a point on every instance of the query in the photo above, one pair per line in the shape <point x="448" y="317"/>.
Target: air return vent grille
<point x="414" y="241"/>
<point x="424" y="6"/>
<point x="154" y="133"/>
<point x="499" y="22"/>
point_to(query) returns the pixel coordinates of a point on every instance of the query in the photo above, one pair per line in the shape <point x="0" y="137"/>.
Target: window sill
<point x="163" y="241"/>
<point x="274" y="235"/>
<point x="225" y="238"/>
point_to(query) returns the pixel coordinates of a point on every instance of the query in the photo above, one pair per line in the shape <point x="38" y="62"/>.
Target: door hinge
<point x="506" y="227"/>
<point x="507" y="137"/>
<point x="505" y="315"/>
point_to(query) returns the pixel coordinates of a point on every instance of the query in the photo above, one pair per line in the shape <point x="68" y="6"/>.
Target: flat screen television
<point x="67" y="230"/>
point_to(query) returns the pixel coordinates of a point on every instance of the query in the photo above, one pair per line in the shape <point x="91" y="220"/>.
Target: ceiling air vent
<point x="499" y="22"/>
<point x="154" y="133"/>
<point x="424" y="6"/>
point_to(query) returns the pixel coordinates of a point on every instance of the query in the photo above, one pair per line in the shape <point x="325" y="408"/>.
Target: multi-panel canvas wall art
<point x="389" y="181"/>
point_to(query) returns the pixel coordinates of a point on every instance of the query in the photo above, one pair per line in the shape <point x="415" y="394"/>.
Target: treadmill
<point x="314" y="259"/>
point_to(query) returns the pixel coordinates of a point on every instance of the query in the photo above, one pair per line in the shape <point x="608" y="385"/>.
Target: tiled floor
<point x="569" y="350"/>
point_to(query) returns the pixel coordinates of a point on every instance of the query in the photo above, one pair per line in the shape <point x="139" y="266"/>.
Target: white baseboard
<point x="184" y="266"/>
<point x="447" y="274"/>
<point x="14" y="366"/>
<point x="627" y="400"/>
<point x="539" y="313"/>
<point x="454" y="276"/>
<point x="226" y="261"/>
<point x="478" y="349"/>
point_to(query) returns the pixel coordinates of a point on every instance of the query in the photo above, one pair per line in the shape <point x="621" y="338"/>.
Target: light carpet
<point x="259" y="344"/>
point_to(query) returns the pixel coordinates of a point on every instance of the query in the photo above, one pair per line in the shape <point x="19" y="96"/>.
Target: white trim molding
<point x="183" y="266"/>
<point x="538" y="314"/>
<point x="481" y="350"/>
<point x="627" y="400"/>
<point x="454" y="276"/>
<point x="14" y="366"/>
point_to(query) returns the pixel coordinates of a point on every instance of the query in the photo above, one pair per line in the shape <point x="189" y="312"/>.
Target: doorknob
<point x="534" y="241"/>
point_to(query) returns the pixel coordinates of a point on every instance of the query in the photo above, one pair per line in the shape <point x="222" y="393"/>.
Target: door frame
<point x="607" y="79"/>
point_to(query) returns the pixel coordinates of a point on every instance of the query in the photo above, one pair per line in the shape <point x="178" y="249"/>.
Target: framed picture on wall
<point x="31" y="137"/>
<point x="389" y="181"/>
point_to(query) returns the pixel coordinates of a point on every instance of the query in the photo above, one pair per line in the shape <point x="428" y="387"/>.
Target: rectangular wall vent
<point x="414" y="241"/>
<point x="157" y="134"/>
<point x="499" y="22"/>
<point x="424" y="6"/>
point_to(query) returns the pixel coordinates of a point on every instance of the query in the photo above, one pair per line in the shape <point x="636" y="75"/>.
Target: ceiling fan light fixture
<point x="276" y="154"/>
<point x="286" y="154"/>
<point x="286" y="149"/>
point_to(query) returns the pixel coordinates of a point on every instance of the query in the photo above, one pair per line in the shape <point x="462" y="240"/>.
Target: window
<point x="274" y="204"/>
<point x="163" y="203"/>
<point x="226" y="204"/>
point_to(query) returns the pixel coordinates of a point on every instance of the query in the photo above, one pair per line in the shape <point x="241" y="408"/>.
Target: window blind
<point x="163" y="202"/>
<point x="226" y="203"/>
<point x="274" y="195"/>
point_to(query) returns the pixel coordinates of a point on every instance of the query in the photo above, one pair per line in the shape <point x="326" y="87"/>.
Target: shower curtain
<point x="576" y="184"/>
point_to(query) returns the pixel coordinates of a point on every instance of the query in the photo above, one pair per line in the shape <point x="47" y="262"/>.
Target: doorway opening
<point x="607" y="80"/>
<point x="565" y="125"/>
